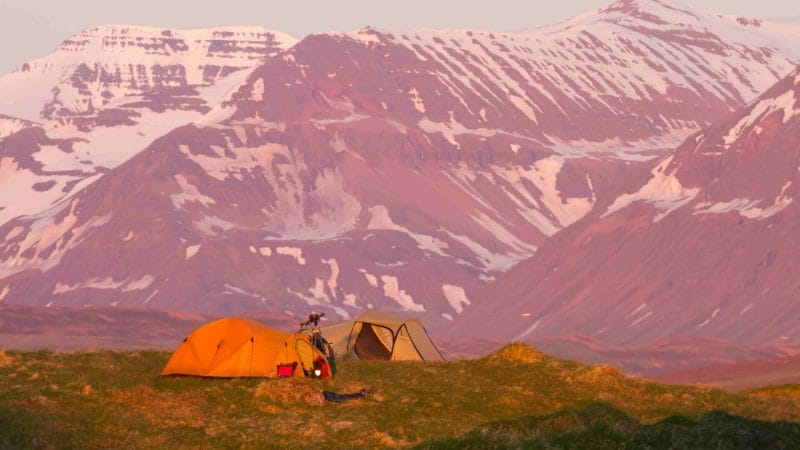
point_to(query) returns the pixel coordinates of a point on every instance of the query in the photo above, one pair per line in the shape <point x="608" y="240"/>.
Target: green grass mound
<point x="516" y="352"/>
<point x="601" y="426"/>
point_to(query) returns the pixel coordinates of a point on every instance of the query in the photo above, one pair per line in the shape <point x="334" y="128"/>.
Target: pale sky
<point x="33" y="28"/>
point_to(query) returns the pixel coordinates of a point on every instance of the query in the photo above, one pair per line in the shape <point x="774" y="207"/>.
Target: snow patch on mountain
<point x="746" y="207"/>
<point x="213" y="225"/>
<point x="456" y="296"/>
<point x="664" y="191"/>
<point x="371" y="279"/>
<point x="380" y="220"/>
<point x="419" y="105"/>
<point x="294" y="252"/>
<point x="350" y="300"/>
<point x="240" y="160"/>
<point x="10" y="125"/>
<point x="453" y="128"/>
<point x="192" y="250"/>
<point x="107" y="283"/>
<point x="318" y="290"/>
<point x="528" y="330"/>
<point x="189" y="193"/>
<point x="707" y="321"/>
<point x="332" y="282"/>
<point x="391" y="289"/>
<point x="258" y="90"/>
<point x="364" y="35"/>
<point x="231" y="289"/>
<point x="490" y="261"/>
<point x="110" y="146"/>
<point x="785" y="102"/>
<point x="16" y="231"/>
<point x="503" y="235"/>
<point x="91" y="153"/>
<point x="544" y="175"/>
<point x="46" y="239"/>
<point x="320" y="298"/>
<point x="22" y="190"/>
<point x="137" y="285"/>
<point x="640" y="319"/>
<point x="263" y="251"/>
<point x="637" y="310"/>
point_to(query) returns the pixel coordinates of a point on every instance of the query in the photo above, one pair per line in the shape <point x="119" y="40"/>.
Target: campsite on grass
<point x="235" y="348"/>
<point x="516" y="397"/>
<point x="418" y="224"/>
<point x="239" y="383"/>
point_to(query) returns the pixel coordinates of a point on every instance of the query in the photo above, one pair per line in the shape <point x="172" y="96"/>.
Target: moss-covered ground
<point x="515" y="398"/>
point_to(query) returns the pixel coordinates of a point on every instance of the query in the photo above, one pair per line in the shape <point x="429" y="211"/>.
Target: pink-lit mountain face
<point x="101" y="75"/>
<point x="400" y="170"/>
<point x="110" y="91"/>
<point x="706" y="245"/>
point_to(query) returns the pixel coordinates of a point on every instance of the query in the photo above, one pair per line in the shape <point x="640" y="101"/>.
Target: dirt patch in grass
<point x="515" y="396"/>
<point x="389" y="441"/>
<point x="290" y="391"/>
<point x="40" y="400"/>
<point x="600" y="376"/>
<point x="159" y="408"/>
<point x="518" y="353"/>
<point x="6" y="359"/>
<point x="782" y="392"/>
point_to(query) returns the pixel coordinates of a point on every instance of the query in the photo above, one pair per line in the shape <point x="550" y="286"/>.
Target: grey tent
<point x="379" y="335"/>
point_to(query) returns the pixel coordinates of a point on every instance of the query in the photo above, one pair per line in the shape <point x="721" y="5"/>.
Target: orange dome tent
<point x="240" y="348"/>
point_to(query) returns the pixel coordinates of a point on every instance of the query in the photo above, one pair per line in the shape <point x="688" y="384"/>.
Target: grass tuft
<point x="290" y="391"/>
<point x="516" y="352"/>
<point x="5" y="359"/>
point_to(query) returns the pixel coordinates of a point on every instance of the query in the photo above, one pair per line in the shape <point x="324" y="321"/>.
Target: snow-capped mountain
<point x="92" y="71"/>
<point x="400" y="169"/>
<point x="704" y="246"/>
<point x="110" y="91"/>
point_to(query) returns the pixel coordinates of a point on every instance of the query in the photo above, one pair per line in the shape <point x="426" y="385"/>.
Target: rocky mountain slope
<point x="400" y="169"/>
<point x="704" y="246"/>
<point x="105" y="94"/>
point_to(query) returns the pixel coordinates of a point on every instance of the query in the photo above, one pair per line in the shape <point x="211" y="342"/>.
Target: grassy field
<point x="516" y="397"/>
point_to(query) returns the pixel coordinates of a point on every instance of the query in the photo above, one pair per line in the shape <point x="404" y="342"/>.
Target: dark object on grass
<point x="334" y="397"/>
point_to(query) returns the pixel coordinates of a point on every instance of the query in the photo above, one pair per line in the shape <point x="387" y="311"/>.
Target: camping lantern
<point x="317" y="370"/>
<point x="320" y="368"/>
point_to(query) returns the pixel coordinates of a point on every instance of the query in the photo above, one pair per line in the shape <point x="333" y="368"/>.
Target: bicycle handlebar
<point x="313" y="318"/>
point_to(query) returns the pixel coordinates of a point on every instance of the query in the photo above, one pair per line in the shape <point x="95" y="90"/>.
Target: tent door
<point x="369" y="346"/>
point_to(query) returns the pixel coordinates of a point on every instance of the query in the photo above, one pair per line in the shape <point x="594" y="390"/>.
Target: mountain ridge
<point x="111" y="90"/>
<point x="728" y="193"/>
<point x="377" y="169"/>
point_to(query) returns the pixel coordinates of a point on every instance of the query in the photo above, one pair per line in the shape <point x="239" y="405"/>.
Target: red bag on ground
<point x="286" y="370"/>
